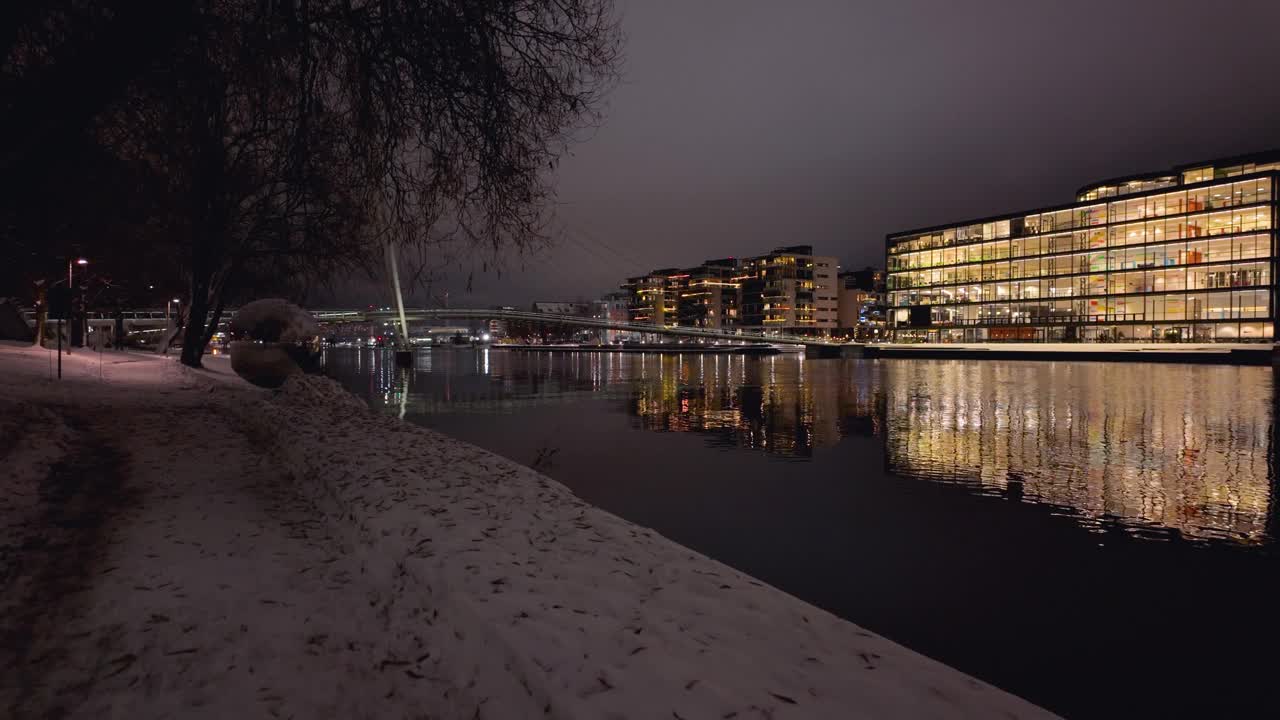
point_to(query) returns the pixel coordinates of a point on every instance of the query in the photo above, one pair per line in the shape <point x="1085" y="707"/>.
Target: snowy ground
<point x="177" y="543"/>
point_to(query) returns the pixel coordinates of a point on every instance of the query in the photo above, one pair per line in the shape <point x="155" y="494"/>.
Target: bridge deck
<point x="573" y="320"/>
<point x="158" y="318"/>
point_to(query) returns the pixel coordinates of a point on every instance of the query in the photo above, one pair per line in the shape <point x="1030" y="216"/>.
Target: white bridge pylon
<point x="393" y="261"/>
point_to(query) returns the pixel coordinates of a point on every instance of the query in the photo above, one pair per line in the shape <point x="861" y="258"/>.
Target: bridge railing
<point x="344" y="315"/>
<point x="574" y="320"/>
<point x="129" y="316"/>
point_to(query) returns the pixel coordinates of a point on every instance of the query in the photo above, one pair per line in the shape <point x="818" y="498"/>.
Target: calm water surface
<point x="1096" y="537"/>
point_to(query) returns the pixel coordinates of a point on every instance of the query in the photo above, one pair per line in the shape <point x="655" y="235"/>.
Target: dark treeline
<point x="216" y="150"/>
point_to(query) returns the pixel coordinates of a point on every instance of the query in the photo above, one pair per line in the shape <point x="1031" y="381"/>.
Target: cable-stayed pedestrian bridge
<point x="155" y="320"/>
<point x="420" y="314"/>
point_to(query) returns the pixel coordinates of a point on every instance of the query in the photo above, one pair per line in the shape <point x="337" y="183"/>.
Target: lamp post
<point x="70" y="265"/>
<point x="72" y="289"/>
<point x="170" y="322"/>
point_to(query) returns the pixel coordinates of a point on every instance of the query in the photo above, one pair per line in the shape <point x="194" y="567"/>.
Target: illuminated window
<point x="1197" y="175"/>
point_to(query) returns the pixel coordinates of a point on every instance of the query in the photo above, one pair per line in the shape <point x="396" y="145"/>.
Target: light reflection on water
<point x="1156" y="449"/>
<point x="1175" y="447"/>
<point x="997" y="516"/>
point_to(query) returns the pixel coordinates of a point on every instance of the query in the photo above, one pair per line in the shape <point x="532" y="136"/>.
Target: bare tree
<point x="63" y="61"/>
<point x="298" y="139"/>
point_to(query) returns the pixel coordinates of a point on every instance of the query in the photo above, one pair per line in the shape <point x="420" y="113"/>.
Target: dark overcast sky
<point x="741" y="125"/>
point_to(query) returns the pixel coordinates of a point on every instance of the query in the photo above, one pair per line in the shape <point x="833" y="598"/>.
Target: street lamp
<point x="71" y="289"/>
<point x="171" y="303"/>
<point x="71" y="264"/>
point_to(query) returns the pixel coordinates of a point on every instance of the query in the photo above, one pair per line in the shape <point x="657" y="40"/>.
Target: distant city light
<point x="82" y="261"/>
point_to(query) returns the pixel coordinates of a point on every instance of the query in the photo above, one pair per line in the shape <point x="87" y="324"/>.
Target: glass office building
<point x="1186" y="255"/>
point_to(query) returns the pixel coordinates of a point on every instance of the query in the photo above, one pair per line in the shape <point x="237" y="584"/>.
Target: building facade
<point x="559" y="307"/>
<point x="498" y="328"/>
<point x="614" y="306"/>
<point x="707" y="296"/>
<point x="1183" y="255"/>
<point x="789" y="290"/>
<point x="653" y="297"/>
<point x="861" y="307"/>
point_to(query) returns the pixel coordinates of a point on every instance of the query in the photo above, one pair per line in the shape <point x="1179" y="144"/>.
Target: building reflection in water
<point x="783" y="405"/>
<point x="1174" y="447"/>
<point x="1156" y="449"/>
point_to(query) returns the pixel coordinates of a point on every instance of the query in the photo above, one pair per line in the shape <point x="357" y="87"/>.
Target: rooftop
<point x="1152" y="182"/>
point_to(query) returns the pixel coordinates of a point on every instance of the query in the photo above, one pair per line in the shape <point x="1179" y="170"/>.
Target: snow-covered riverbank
<point x="178" y="543"/>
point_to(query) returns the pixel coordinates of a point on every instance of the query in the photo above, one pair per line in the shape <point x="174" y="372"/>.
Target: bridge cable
<point x="624" y="256"/>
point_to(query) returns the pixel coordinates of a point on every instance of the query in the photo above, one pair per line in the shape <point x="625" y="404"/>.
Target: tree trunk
<point x="198" y="314"/>
<point x="208" y="251"/>
<point x="201" y="328"/>
<point x="42" y="312"/>
<point x="172" y="332"/>
<point x="215" y="316"/>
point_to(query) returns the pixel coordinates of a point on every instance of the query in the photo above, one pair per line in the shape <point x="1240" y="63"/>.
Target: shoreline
<point x="294" y="552"/>
<point x="1208" y="353"/>
<point x="672" y="349"/>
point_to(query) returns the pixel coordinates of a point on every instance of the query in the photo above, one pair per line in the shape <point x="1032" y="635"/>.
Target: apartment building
<point x="707" y="296"/>
<point x="862" y="300"/>
<point x="789" y="290"/>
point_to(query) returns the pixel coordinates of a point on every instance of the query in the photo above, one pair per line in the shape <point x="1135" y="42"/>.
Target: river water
<point x="1099" y="538"/>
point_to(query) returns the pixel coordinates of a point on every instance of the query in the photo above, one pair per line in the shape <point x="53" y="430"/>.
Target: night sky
<point x="741" y="125"/>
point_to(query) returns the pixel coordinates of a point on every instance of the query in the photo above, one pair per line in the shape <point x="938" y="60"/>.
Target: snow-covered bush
<point x="272" y="339"/>
<point x="274" y="320"/>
